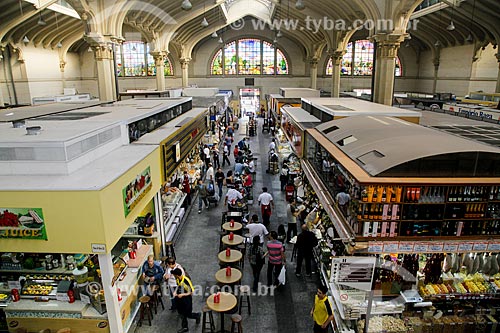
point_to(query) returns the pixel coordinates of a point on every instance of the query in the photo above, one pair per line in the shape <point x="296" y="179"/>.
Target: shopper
<point x="184" y="300"/>
<point x="343" y="199"/>
<point x="225" y="155"/>
<point x="206" y="152"/>
<point x="210" y="173"/>
<point x="202" y="195"/>
<point x="152" y="274"/>
<point x="232" y="196"/>
<point x="256" y="259"/>
<point x="276" y="254"/>
<point x="284" y="177"/>
<point x="215" y="157"/>
<point x="186" y="187"/>
<point x="305" y="244"/>
<point x="291" y="215"/>
<point x="170" y="265"/>
<point x="272" y="145"/>
<point x="255" y="228"/>
<point x="219" y="179"/>
<point x="321" y="311"/>
<point x="266" y="206"/>
<point x="230" y="179"/>
<point x="281" y="234"/>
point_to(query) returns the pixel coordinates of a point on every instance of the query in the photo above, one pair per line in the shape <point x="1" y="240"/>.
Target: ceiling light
<point x="221" y="41"/>
<point x="363" y="48"/>
<point x="437" y="43"/>
<point x="469" y="38"/>
<point x="26" y="40"/>
<point x="451" y="26"/>
<point x="59" y="45"/>
<point x="408" y="37"/>
<point x="299" y="5"/>
<point x="275" y="40"/>
<point x="204" y="23"/>
<point x="279" y="34"/>
<point x="214" y="34"/>
<point x="134" y="48"/>
<point x="41" y="21"/>
<point x="90" y="49"/>
<point x="186" y="5"/>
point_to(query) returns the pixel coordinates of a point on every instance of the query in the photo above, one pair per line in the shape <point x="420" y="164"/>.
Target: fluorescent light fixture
<point x="186" y="5"/>
<point x="204" y="23"/>
<point x="26" y="40"/>
<point x="299" y="5"/>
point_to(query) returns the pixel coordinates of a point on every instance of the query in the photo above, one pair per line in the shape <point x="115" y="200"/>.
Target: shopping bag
<point x="282" y="276"/>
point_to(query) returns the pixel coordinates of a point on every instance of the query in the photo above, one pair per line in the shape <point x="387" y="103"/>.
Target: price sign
<point x="406" y="246"/>
<point x="84" y="298"/>
<point x="391" y="247"/>
<point x="494" y="246"/>
<point x="436" y="247"/>
<point x="480" y="246"/>
<point x="450" y="247"/>
<point x="375" y="247"/>
<point x="465" y="246"/>
<point x="420" y="247"/>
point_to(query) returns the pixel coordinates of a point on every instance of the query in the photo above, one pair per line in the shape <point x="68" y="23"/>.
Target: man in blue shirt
<point x="152" y="273"/>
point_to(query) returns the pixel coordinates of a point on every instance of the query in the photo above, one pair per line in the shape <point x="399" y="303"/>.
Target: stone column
<point x="185" y="71"/>
<point x="336" y="62"/>
<point x="2" y="102"/>
<point x="62" y="65"/>
<point x="105" y="74"/>
<point x="436" y="70"/>
<point x="159" y="58"/>
<point x="387" y="50"/>
<point x="497" y="90"/>
<point x="314" y="72"/>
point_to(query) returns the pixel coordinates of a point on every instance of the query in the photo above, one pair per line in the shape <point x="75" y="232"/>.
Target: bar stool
<point x="243" y="249"/>
<point x="236" y="324"/>
<point x="159" y="296"/>
<point x="244" y="301"/>
<point x="221" y="234"/>
<point x="208" y="319"/>
<point x="169" y="249"/>
<point x="153" y="299"/>
<point x="145" y="308"/>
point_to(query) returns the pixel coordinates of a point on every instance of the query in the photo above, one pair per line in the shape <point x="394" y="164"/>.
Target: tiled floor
<point x="197" y="248"/>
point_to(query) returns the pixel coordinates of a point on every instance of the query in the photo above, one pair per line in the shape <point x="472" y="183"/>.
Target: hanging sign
<point x="355" y="272"/>
<point x="406" y="247"/>
<point x="465" y="246"/>
<point x="420" y="247"/>
<point x="480" y="246"/>
<point x="22" y="223"/>
<point x="391" y="247"/>
<point x="450" y="247"/>
<point x="494" y="246"/>
<point x="136" y="189"/>
<point x="375" y="247"/>
<point x="436" y="247"/>
<point x="177" y="151"/>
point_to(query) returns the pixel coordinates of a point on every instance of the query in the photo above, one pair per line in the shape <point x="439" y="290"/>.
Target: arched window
<point x="249" y="56"/>
<point x="133" y="59"/>
<point x="358" y="60"/>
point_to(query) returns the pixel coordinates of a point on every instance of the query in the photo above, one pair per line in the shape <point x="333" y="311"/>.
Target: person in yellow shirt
<point x="322" y="311"/>
<point x="184" y="299"/>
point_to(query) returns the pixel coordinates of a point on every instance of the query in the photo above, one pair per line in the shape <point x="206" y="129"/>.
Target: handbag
<point x="282" y="276"/>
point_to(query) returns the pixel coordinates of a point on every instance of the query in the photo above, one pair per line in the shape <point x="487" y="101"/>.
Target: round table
<point x="234" y="257"/>
<point x="237" y="240"/>
<point x="227" y="302"/>
<point x="235" y="276"/>
<point x="237" y="226"/>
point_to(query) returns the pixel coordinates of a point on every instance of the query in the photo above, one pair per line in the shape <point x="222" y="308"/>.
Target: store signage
<point x="375" y="247"/>
<point x="450" y="247"/>
<point x="436" y="247"/>
<point x="465" y="246"/>
<point x="136" y="189"/>
<point x="355" y="272"/>
<point x="177" y="151"/>
<point x="406" y="247"/>
<point x="194" y="133"/>
<point x="22" y="223"/>
<point x="352" y="297"/>
<point x="494" y="246"/>
<point x="98" y="248"/>
<point x="420" y="247"/>
<point x="391" y="247"/>
<point x="480" y="246"/>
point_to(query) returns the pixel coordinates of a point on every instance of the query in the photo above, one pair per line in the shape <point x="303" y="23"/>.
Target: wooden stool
<point x="243" y="249"/>
<point x="169" y="249"/>
<point x="236" y="323"/>
<point x="159" y="297"/>
<point x="208" y="319"/>
<point x="221" y="234"/>
<point x="145" y="308"/>
<point x="244" y="298"/>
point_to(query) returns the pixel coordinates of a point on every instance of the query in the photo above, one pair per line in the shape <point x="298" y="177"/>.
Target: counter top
<point x="50" y="306"/>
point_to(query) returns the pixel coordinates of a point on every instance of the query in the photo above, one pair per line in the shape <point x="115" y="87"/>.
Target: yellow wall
<point x="113" y="215"/>
<point x="150" y="208"/>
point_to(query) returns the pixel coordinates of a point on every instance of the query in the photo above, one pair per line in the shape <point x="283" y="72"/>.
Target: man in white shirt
<point x="206" y="151"/>
<point x="210" y="173"/>
<point x="272" y="145"/>
<point x="255" y="228"/>
<point x="232" y="195"/>
<point x="266" y="205"/>
<point x="343" y="200"/>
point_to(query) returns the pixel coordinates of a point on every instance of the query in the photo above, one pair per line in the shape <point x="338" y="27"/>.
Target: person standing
<point x="206" y="153"/>
<point x="186" y="187"/>
<point x="184" y="300"/>
<point x="276" y="254"/>
<point x="152" y="274"/>
<point x="272" y="145"/>
<point x="266" y="206"/>
<point x="305" y="244"/>
<point x="225" y="156"/>
<point x="215" y="157"/>
<point x="343" y="199"/>
<point x="219" y="179"/>
<point x="255" y="228"/>
<point x="256" y="259"/>
<point x="284" y="177"/>
<point x="292" y="212"/>
<point x="202" y="195"/>
<point x="321" y="311"/>
<point x="170" y="265"/>
<point x="210" y="173"/>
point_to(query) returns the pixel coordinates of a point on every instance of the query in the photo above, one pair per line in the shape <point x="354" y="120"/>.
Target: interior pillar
<point x="185" y="71"/>
<point x="105" y="73"/>
<point x="497" y="90"/>
<point x="387" y="49"/>
<point x="314" y="73"/>
<point x="337" y="63"/>
<point x="159" y="58"/>
<point x="436" y="70"/>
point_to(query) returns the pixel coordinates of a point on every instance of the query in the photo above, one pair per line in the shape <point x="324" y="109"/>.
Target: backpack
<point x="255" y="256"/>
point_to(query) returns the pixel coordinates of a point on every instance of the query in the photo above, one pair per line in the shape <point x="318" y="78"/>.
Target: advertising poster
<point x="25" y="223"/>
<point x="135" y="190"/>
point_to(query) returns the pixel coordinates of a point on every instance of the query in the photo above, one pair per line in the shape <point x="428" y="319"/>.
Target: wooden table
<point x="234" y="257"/>
<point x="227" y="302"/>
<point x="237" y="226"/>
<point x="235" y="276"/>
<point x="237" y="240"/>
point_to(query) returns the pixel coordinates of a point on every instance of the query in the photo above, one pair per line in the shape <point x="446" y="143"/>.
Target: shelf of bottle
<point x="425" y="238"/>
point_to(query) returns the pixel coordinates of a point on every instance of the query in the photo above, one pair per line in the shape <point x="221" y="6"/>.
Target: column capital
<point x="103" y="51"/>
<point x="185" y="62"/>
<point x="388" y="44"/>
<point x="313" y="61"/>
<point x="62" y="65"/>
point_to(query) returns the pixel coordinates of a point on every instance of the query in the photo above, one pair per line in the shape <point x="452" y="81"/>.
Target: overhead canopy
<point x="386" y="146"/>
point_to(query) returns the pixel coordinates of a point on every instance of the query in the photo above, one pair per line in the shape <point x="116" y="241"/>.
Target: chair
<point x="244" y="301"/>
<point x="236" y="324"/>
<point x="145" y="309"/>
<point x="243" y="249"/>
<point x="208" y="319"/>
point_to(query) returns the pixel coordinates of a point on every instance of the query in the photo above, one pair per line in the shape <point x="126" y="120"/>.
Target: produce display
<point x="3" y="297"/>
<point x="56" y="277"/>
<point x="383" y="324"/>
<point x="37" y="290"/>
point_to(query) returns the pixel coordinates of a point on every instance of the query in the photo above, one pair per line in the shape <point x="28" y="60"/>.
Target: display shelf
<point x="156" y="234"/>
<point x="41" y="270"/>
<point x="174" y="214"/>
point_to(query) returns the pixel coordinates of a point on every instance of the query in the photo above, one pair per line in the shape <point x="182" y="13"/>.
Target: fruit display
<point x="8" y="219"/>
<point x="3" y="297"/>
<point x="37" y="290"/>
<point x="383" y="324"/>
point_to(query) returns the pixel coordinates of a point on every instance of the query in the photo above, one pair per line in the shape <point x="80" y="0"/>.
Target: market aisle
<point x="197" y="248"/>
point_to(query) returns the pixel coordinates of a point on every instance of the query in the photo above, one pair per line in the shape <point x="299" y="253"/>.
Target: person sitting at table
<point x="170" y="278"/>
<point x="232" y="196"/>
<point x="247" y="180"/>
<point x="152" y="274"/>
<point x="238" y="167"/>
<point x="184" y="300"/>
<point x="251" y="166"/>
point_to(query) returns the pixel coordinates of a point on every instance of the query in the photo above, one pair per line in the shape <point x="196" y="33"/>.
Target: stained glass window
<point x="133" y="59"/>
<point x="118" y="60"/>
<point x="361" y="55"/>
<point x="249" y="57"/>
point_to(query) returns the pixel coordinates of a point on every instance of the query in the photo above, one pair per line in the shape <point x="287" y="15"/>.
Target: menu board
<point x="355" y="272"/>
<point x="22" y="223"/>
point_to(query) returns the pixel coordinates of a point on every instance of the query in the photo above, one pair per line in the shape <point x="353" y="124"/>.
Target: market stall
<point x="294" y="122"/>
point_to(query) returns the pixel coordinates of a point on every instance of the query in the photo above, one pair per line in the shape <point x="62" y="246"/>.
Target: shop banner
<point x="480" y="246"/>
<point x="494" y="246"/>
<point x="450" y="247"/>
<point x="406" y="247"/>
<point x="133" y="192"/>
<point x="24" y="223"/>
<point x="465" y="246"/>
<point x="421" y="247"/>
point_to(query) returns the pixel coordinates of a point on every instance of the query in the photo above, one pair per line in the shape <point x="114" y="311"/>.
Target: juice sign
<point x="24" y="223"/>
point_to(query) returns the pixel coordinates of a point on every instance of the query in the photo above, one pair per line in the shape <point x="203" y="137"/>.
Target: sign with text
<point x="465" y="246"/>
<point x="391" y="247"/>
<point x="494" y="246"/>
<point x="406" y="247"/>
<point x="436" y="247"/>
<point x="22" y="223"/>
<point x="480" y="246"/>
<point x="177" y="151"/>
<point x="450" y="247"/>
<point x="375" y="247"/>
<point x="355" y="272"/>
<point x="420" y="247"/>
<point x="136" y="189"/>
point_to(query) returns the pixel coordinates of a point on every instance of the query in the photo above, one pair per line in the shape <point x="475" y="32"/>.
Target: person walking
<point x="210" y="173"/>
<point x="343" y="199"/>
<point x="255" y="228"/>
<point x="184" y="300"/>
<point x="215" y="157"/>
<point x="292" y="212"/>
<point x="284" y="177"/>
<point x="186" y="187"/>
<point x="321" y="311"/>
<point x="170" y="265"/>
<point x="256" y="259"/>
<point x="266" y="206"/>
<point x="225" y="156"/>
<point x="219" y="179"/>
<point x="202" y="195"/>
<point x="306" y="241"/>
<point x="276" y="254"/>
<point x="206" y="153"/>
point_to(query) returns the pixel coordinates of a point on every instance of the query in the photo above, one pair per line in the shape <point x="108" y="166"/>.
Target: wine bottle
<point x="384" y="195"/>
<point x="372" y="211"/>
<point x="365" y="212"/>
<point x="451" y="194"/>
<point x="460" y="195"/>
